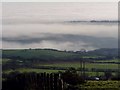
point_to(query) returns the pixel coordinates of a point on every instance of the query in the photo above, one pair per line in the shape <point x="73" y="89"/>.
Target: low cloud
<point x="68" y="40"/>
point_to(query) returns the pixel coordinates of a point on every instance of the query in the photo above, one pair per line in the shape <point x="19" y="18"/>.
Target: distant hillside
<point x="108" y="52"/>
<point x="52" y="54"/>
<point x="39" y="54"/>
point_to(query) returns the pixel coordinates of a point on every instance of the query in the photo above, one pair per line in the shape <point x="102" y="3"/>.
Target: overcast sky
<point x="60" y="0"/>
<point x="60" y="11"/>
<point x="47" y="25"/>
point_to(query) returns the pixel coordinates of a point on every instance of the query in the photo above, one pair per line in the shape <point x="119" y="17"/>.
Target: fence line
<point x="33" y="81"/>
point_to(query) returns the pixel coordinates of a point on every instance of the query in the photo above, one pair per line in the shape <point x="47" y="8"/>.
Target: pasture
<point x="75" y="65"/>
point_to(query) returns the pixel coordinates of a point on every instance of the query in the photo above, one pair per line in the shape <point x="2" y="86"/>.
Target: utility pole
<point x="82" y="68"/>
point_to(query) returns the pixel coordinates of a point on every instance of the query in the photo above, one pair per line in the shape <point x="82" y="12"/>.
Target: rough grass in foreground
<point x="101" y="84"/>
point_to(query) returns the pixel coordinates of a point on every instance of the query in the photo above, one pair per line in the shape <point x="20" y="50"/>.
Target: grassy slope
<point x="41" y="54"/>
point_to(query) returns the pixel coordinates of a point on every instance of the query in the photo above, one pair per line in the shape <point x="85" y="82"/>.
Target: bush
<point x="72" y="77"/>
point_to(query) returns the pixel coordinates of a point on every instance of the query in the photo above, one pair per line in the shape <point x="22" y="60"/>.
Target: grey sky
<point x="60" y="0"/>
<point x="43" y="25"/>
<point x="60" y="11"/>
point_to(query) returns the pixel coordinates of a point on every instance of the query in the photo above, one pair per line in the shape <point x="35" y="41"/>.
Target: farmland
<point x="87" y="65"/>
<point x="65" y="65"/>
<point x="52" y="61"/>
<point x="44" y="60"/>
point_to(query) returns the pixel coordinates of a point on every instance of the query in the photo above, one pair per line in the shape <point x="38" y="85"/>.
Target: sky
<point x="48" y="25"/>
<point x="60" y="0"/>
<point x="60" y="11"/>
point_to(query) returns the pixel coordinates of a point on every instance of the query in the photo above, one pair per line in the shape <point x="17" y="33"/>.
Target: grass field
<point x="113" y="60"/>
<point x="23" y="70"/>
<point x="102" y="84"/>
<point x="33" y="60"/>
<point x="66" y="64"/>
<point x="39" y="53"/>
<point x="87" y="65"/>
<point x="76" y="64"/>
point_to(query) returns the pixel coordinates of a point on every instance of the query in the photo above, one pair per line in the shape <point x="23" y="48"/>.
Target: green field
<point x="97" y="64"/>
<point x="52" y="54"/>
<point x="101" y="84"/>
<point x="65" y="64"/>
<point x="23" y="70"/>
<point x="25" y="58"/>
<point x="77" y="65"/>
<point x="39" y="54"/>
<point x="113" y="60"/>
